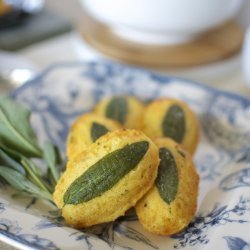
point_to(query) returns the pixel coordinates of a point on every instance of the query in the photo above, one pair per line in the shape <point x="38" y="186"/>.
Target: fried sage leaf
<point x="167" y="177"/>
<point x="117" y="109"/>
<point x="98" y="130"/>
<point x="105" y="173"/>
<point x="15" y="129"/>
<point x="173" y="124"/>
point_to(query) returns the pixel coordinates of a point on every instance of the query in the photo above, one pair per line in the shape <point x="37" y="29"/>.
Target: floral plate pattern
<point x="66" y="90"/>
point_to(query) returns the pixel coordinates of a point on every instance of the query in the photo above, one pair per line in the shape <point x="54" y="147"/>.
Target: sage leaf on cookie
<point x="167" y="177"/>
<point x="105" y="173"/>
<point x="173" y="124"/>
<point x="15" y="129"/>
<point x="117" y="109"/>
<point x="97" y="130"/>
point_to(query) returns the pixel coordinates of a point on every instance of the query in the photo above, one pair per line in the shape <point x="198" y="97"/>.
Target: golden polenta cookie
<point x="86" y="130"/>
<point x="127" y="110"/>
<point x="171" y="204"/>
<point x="107" y="179"/>
<point x="174" y="119"/>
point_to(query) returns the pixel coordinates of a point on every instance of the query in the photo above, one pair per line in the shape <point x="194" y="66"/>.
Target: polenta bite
<point x="127" y="110"/>
<point x="107" y="179"/>
<point x="86" y="130"/>
<point x="174" y="119"/>
<point x="171" y="204"/>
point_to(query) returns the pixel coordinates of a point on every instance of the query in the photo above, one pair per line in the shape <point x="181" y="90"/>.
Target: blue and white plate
<point x="64" y="91"/>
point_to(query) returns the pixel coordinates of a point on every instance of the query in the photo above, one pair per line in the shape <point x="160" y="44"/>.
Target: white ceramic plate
<point x="64" y="91"/>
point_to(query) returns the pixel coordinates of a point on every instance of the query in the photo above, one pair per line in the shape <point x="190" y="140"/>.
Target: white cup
<point x="162" y="21"/>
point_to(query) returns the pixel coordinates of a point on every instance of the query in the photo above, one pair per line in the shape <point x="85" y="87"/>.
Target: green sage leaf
<point x="11" y="162"/>
<point x="32" y="166"/>
<point x="34" y="174"/>
<point x="21" y="183"/>
<point x="16" y="179"/>
<point x="117" y="109"/>
<point x="105" y="173"/>
<point x="50" y="155"/>
<point x="97" y="130"/>
<point x="15" y="129"/>
<point x="167" y="178"/>
<point x="13" y="177"/>
<point x="12" y="153"/>
<point x="39" y="194"/>
<point x="173" y="124"/>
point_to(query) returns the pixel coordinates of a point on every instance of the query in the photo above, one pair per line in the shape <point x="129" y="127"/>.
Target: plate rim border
<point x="68" y="64"/>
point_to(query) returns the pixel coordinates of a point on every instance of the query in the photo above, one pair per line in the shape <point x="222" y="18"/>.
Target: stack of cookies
<point x="129" y="154"/>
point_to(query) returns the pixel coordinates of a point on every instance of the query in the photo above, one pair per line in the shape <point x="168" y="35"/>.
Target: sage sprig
<point x="15" y="128"/>
<point x="51" y="156"/>
<point x="18" y="148"/>
<point x="22" y="184"/>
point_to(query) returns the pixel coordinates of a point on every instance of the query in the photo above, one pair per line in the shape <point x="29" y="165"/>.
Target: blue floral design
<point x="240" y="178"/>
<point x="130" y="233"/>
<point x="237" y="179"/>
<point x="115" y="80"/>
<point x="236" y="243"/>
<point x="12" y="230"/>
<point x="51" y="112"/>
<point x="53" y="219"/>
<point x="104" y="232"/>
<point x="228" y="139"/>
<point x="107" y="231"/>
<point x="196" y="232"/>
<point x="210" y="164"/>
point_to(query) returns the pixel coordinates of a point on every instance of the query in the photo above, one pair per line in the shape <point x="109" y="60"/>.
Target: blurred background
<point x="211" y="47"/>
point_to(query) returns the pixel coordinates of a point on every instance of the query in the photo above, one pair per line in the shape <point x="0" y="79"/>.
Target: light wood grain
<point x="212" y="46"/>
